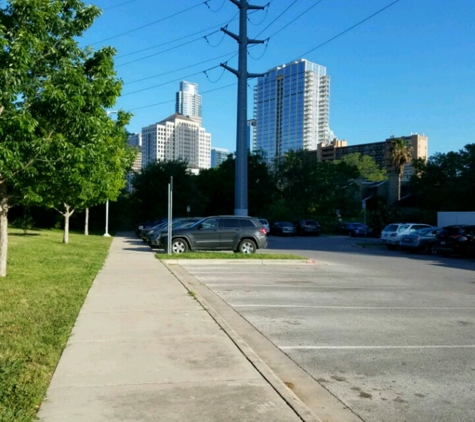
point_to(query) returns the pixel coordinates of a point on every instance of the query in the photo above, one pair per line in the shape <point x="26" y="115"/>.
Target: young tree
<point x="36" y="38"/>
<point x="399" y="156"/>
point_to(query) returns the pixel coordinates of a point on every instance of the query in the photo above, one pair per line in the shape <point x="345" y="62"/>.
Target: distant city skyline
<point x="396" y="68"/>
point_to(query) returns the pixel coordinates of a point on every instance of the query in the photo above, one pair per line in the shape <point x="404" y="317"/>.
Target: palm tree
<point x="399" y="156"/>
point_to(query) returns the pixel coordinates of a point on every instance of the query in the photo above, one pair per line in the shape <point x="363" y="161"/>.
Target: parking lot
<point x="390" y="334"/>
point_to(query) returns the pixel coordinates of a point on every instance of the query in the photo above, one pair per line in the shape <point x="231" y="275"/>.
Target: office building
<point x="379" y="151"/>
<point x="188" y="101"/>
<point x="291" y="109"/>
<point x="177" y="137"/>
<point x="218" y="155"/>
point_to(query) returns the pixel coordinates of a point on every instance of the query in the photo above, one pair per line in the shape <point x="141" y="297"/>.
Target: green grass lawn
<point x="46" y="284"/>
<point x="226" y="255"/>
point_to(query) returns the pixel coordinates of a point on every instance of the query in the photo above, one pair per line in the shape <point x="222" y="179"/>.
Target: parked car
<point x="148" y="225"/>
<point x="235" y="233"/>
<point x="265" y="224"/>
<point x="305" y="227"/>
<point x="391" y="234"/>
<point x="355" y="229"/>
<point x="459" y="239"/>
<point x="154" y="238"/>
<point x="283" y="228"/>
<point x="420" y="240"/>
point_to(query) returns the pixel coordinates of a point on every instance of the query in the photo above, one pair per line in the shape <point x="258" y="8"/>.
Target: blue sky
<point x="409" y="69"/>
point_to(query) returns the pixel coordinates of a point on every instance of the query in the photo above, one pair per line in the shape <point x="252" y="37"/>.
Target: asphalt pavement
<point x="150" y="344"/>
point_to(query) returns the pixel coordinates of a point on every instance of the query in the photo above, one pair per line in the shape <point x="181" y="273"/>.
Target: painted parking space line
<point x="429" y="308"/>
<point x="461" y="346"/>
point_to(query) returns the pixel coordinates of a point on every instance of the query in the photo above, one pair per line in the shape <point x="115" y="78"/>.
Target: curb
<point x="240" y="261"/>
<point x="299" y="407"/>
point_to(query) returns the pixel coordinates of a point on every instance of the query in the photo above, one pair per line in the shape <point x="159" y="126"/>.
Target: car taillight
<point x="263" y="231"/>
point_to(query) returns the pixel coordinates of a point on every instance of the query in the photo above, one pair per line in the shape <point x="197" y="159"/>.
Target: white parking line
<point x="466" y="346"/>
<point x="353" y="307"/>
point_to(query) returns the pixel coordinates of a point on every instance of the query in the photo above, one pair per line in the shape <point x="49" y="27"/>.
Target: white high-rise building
<point x="177" y="137"/>
<point x="291" y="109"/>
<point x="188" y="101"/>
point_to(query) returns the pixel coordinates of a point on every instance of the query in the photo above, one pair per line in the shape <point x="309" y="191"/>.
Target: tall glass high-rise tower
<point x="188" y="101"/>
<point x="291" y="109"/>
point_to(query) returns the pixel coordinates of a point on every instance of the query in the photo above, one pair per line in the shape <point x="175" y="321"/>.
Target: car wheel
<point x="179" y="246"/>
<point x="352" y="234"/>
<point x="247" y="246"/>
<point x="391" y="247"/>
<point x="432" y="249"/>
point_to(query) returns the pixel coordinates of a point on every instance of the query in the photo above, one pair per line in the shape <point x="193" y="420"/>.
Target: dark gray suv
<point x="236" y="233"/>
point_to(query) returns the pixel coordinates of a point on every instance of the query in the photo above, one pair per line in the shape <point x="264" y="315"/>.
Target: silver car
<point x="391" y="234"/>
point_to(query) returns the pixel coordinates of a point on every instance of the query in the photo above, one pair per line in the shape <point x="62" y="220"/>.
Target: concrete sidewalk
<point x="143" y="349"/>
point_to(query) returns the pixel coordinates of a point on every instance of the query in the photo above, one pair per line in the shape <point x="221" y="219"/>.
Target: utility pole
<point x="240" y="192"/>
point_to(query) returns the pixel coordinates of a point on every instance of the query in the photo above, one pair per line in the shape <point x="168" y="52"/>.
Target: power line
<point x="169" y="82"/>
<point x="293" y="20"/>
<point x="151" y="23"/>
<point x="320" y="45"/>
<point x="181" y="68"/>
<point x="349" y="29"/>
<point x="120" y="4"/>
<point x="285" y="10"/>
<point x="160" y="52"/>
<point x="171" y="101"/>
<point x="175" y="40"/>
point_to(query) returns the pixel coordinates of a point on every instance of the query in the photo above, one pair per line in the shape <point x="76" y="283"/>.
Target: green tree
<point x="312" y="188"/>
<point x="399" y="156"/>
<point x="446" y="181"/>
<point x="366" y="166"/>
<point x="150" y="194"/>
<point x="36" y="38"/>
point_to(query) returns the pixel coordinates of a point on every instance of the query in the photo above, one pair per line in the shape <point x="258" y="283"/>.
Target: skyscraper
<point x="291" y="108"/>
<point x="188" y="101"/>
<point x="218" y="155"/>
<point x="177" y="137"/>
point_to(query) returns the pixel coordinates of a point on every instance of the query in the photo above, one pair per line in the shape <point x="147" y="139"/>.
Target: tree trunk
<point x="86" y="223"/>
<point x="66" y="215"/>
<point x="3" y="229"/>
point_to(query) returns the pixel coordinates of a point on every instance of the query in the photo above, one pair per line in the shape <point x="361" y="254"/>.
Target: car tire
<point x="247" y="246"/>
<point x="352" y="234"/>
<point x="432" y="250"/>
<point x="391" y="247"/>
<point x="179" y="246"/>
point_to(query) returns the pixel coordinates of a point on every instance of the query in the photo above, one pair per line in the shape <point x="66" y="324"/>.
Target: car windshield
<point x="263" y="221"/>
<point x="285" y="224"/>
<point x="423" y="231"/>
<point x="391" y="228"/>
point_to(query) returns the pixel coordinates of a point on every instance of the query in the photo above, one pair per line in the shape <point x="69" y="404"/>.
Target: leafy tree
<point x="218" y="187"/>
<point x="312" y="188"/>
<point x="366" y="166"/>
<point x="150" y="194"/>
<point x="446" y="181"/>
<point x="399" y="156"/>
<point x="36" y="38"/>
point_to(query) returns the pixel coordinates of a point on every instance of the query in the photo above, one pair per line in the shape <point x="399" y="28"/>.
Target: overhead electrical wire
<point x="320" y="45"/>
<point x="151" y="23"/>
<point x="117" y="5"/>
<point x="181" y="68"/>
<point x="171" y="101"/>
<point x="349" y="29"/>
<point x="175" y="40"/>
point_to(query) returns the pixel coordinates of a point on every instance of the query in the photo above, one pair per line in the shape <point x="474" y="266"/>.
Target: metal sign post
<point x="363" y="205"/>
<point x="170" y="213"/>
